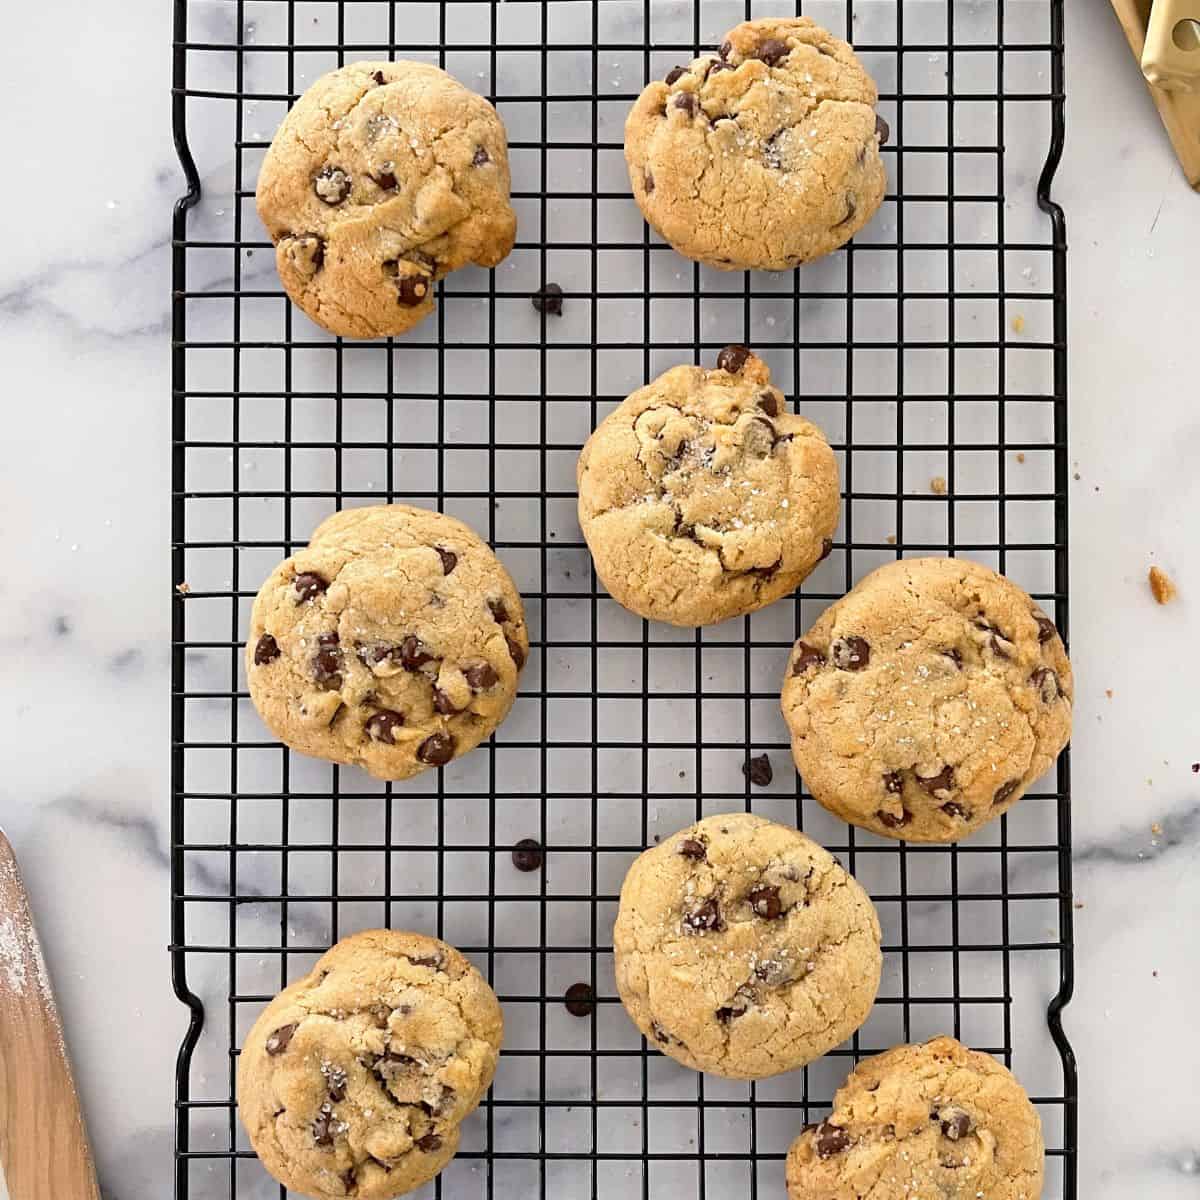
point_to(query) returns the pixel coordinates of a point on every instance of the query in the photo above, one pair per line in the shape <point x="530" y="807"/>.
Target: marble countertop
<point x="85" y="527"/>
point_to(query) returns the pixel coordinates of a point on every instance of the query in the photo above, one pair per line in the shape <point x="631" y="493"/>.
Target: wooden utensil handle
<point x="43" y="1144"/>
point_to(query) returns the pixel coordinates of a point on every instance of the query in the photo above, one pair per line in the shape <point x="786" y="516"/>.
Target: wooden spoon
<point x="43" y="1143"/>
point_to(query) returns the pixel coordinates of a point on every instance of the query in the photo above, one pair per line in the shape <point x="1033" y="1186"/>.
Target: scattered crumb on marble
<point x="1018" y="324"/>
<point x="1020" y="456"/>
<point x="1162" y="585"/>
<point x="937" y="485"/>
<point x="891" y="539"/>
<point x="183" y="588"/>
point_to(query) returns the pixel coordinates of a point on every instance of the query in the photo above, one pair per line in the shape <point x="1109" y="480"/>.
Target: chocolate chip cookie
<point x="354" y="1080"/>
<point x="764" y="155"/>
<point x="702" y="496"/>
<point x="393" y="641"/>
<point x="383" y="178"/>
<point x="936" y="1120"/>
<point x="925" y="701"/>
<point x="742" y="948"/>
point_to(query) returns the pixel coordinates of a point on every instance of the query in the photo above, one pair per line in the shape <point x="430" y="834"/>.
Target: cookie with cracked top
<point x="703" y="497"/>
<point x="383" y="178"/>
<point x="927" y="700"/>
<point x="355" y="1079"/>
<point x="926" y="1120"/>
<point x="742" y="948"/>
<point x="763" y="155"/>
<point x="394" y="641"/>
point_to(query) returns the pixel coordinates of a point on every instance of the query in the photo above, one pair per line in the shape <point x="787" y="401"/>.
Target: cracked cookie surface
<point x="354" y="1080"/>
<point x="743" y="948"/>
<point x="934" y="1120"/>
<point x="383" y="178"/>
<point x="926" y="701"/>
<point x="764" y="155"/>
<point x="702" y="497"/>
<point x="393" y="641"/>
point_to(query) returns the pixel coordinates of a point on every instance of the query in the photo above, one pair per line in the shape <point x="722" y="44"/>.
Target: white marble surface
<point x="84" y="623"/>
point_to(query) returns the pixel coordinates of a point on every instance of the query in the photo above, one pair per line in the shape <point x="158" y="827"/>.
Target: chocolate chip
<point x="806" y="656"/>
<point x="718" y="65"/>
<point x="758" y="770"/>
<point x="277" y="1043"/>
<point x="349" y="1176"/>
<point x="1046" y="682"/>
<point x="443" y="704"/>
<point x="850" y="653"/>
<point x="412" y="290"/>
<point x="498" y="611"/>
<point x="480" y="157"/>
<point x="851" y="209"/>
<point x="579" y="1000"/>
<point x="953" y="809"/>
<point x="691" y="848"/>
<point x="732" y="359"/>
<point x="386" y="180"/>
<point x="377" y="76"/>
<point x="955" y="656"/>
<point x="707" y="916"/>
<point x="332" y="185"/>
<point x="830" y="1140"/>
<point x="660" y="1034"/>
<point x="955" y="1123"/>
<point x="336" y="1078"/>
<point x="428" y="1143"/>
<point x="436" y="750"/>
<point x="449" y="559"/>
<point x="726" y="1014"/>
<point x="322" y="1127"/>
<point x="771" y="51"/>
<point x="549" y="299"/>
<point x="1045" y="627"/>
<point x="726" y="50"/>
<point x="527" y="855"/>
<point x="687" y="102"/>
<point x="414" y="653"/>
<point x="308" y="584"/>
<point x="675" y="73"/>
<point x="891" y="820"/>
<point x="1005" y="790"/>
<point x="382" y="726"/>
<point x="516" y="650"/>
<point x="647" y="181"/>
<point x="267" y="650"/>
<point x="435" y="962"/>
<point x="769" y="403"/>
<point x="765" y="902"/>
<point x="826" y="549"/>
<point x="480" y="677"/>
<point x="943" y="781"/>
<point x="882" y="130"/>
<point x="1000" y="647"/>
<point x="327" y="662"/>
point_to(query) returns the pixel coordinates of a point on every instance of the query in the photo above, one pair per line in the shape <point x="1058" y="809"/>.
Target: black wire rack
<point x="932" y="351"/>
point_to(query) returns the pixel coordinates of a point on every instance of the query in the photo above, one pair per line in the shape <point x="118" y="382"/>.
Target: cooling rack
<point x="931" y="351"/>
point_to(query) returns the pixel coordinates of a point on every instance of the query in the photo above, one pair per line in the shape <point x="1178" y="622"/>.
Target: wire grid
<point x="934" y="345"/>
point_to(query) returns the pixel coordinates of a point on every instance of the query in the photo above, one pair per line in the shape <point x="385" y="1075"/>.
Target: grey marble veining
<point x="84" y="628"/>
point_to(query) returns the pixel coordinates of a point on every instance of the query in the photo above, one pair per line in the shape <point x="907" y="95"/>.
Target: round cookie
<point x="743" y="948"/>
<point x="934" y="1120"/>
<point x="393" y="641"/>
<point x="353" y="1080"/>
<point x="703" y="497"/>
<point x="764" y="156"/>
<point x="383" y="178"/>
<point x="925" y="701"/>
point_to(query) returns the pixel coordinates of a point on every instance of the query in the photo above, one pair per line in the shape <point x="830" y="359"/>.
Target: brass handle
<point x="1171" y="59"/>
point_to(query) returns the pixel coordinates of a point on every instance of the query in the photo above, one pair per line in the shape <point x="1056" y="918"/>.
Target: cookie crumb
<point x="1162" y="585"/>
<point x="1020" y="456"/>
<point x="1078" y="903"/>
<point x="1018" y="324"/>
<point x="1196" y="768"/>
<point x="1156" y="829"/>
<point x="891" y="539"/>
<point x="183" y="588"/>
<point x="1108" y="692"/>
<point x="937" y="485"/>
